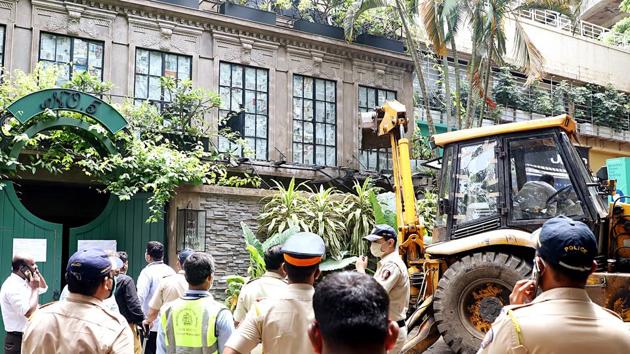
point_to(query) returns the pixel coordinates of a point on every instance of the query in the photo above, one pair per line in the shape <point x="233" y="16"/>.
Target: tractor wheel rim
<point x="481" y="303"/>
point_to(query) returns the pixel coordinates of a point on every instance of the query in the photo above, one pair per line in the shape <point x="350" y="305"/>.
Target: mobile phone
<point x="27" y="272"/>
<point x="535" y="274"/>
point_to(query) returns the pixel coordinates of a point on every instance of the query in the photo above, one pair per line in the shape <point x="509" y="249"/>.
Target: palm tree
<point x="410" y="29"/>
<point x="487" y="19"/>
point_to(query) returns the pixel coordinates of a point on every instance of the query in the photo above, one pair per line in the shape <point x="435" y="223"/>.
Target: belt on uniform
<point x="15" y="333"/>
<point x="401" y="323"/>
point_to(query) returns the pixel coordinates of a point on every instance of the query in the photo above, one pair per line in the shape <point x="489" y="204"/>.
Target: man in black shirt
<point x="129" y="305"/>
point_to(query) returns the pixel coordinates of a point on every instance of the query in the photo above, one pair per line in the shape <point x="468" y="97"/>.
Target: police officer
<point x="391" y="273"/>
<point x="562" y="319"/>
<point x="281" y="323"/>
<point x="81" y="323"/>
<point x="195" y="323"/>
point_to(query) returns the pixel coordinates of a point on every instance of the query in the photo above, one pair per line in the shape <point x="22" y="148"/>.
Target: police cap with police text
<point x="304" y="249"/>
<point x="567" y="243"/>
<point x="381" y="231"/>
<point x="89" y="264"/>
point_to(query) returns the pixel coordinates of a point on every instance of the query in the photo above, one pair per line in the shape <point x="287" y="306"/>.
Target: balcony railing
<point x="581" y="28"/>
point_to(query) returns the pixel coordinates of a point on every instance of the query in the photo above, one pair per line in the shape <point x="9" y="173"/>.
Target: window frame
<point x="4" y="46"/>
<point x="380" y="151"/>
<point x="161" y="103"/>
<point x="313" y="98"/>
<point x="71" y="62"/>
<point x="243" y="95"/>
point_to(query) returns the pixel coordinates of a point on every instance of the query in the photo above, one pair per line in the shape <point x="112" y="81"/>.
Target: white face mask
<point x="375" y="249"/>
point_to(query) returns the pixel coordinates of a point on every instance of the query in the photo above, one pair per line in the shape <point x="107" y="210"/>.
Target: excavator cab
<point x="514" y="180"/>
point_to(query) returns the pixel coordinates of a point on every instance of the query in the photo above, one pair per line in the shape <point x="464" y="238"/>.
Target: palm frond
<point x="431" y="21"/>
<point x="527" y="56"/>
<point x="356" y="9"/>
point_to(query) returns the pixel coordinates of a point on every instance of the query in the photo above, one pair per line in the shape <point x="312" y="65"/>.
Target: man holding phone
<point x="19" y="298"/>
<point x="562" y="318"/>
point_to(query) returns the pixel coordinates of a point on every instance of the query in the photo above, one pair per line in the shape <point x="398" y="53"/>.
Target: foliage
<point x="506" y="91"/>
<point x="145" y="160"/>
<point x="609" y="107"/>
<point x="620" y="31"/>
<point x="325" y="215"/>
<point x="420" y="145"/>
<point x="427" y="210"/>
<point x="382" y="215"/>
<point x="281" y="210"/>
<point x="328" y="12"/>
<point x="360" y="216"/>
<point x="234" y="285"/>
<point x="330" y="265"/>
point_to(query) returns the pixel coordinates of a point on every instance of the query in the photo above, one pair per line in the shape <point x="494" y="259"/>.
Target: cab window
<point x="477" y="183"/>
<point x="446" y="175"/>
<point x="540" y="186"/>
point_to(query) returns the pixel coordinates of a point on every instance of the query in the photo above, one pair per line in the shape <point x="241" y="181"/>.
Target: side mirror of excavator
<point x="444" y="206"/>
<point x="602" y="173"/>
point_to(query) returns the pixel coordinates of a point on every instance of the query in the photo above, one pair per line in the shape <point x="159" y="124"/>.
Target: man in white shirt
<point x="148" y="282"/>
<point x="19" y="298"/>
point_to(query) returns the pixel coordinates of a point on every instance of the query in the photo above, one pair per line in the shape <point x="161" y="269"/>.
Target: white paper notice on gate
<point x="34" y="247"/>
<point x="105" y="245"/>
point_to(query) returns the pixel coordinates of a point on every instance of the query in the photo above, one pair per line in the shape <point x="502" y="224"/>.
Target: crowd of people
<point x="102" y="310"/>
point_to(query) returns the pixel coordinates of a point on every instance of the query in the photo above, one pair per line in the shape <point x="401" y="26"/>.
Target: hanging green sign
<point x="37" y="103"/>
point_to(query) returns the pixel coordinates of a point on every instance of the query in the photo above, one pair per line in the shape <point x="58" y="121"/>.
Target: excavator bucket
<point x="422" y="329"/>
<point x="370" y="139"/>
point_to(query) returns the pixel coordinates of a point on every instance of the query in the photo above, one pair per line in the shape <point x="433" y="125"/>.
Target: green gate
<point x="124" y="222"/>
<point x="16" y="222"/>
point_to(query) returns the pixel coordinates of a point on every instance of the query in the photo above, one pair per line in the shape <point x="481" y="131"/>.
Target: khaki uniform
<point x="269" y="285"/>
<point x="171" y="288"/>
<point x="80" y="324"/>
<point x="561" y="320"/>
<point x="391" y="273"/>
<point x="280" y="324"/>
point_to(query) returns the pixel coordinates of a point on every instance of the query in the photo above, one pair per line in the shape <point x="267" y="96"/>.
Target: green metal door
<point x="17" y="222"/>
<point x="124" y="222"/>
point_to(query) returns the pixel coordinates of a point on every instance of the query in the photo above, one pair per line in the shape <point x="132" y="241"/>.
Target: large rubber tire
<point x="471" y="294"/>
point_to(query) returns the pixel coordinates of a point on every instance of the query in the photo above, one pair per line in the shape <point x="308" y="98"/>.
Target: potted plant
<point x="239" y="10"/>
<point x="322" y="17"/>
<point x="380" y="28"/>
<point x="587" y="129"/>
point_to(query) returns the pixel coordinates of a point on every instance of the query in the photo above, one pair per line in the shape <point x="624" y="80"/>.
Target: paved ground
<point x="439" y="348"/>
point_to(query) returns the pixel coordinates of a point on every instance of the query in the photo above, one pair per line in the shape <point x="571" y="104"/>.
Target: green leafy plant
<point x="326" y="216"/>
<point x="234" y="285"/>
<point x="506" y="91"/>
<point x="284" y="208"/>
<point x="360" y="216"/>
<point x="426" y="208"/>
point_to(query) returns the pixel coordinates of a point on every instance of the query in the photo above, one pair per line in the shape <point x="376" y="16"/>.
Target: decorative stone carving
<point x="74" y="19"/>
<point x="245" y="51"/>
<point x="164" y="35"/>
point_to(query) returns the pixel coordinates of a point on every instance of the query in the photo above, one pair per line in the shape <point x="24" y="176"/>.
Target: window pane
<point x="237" y="99"/>
<point x="63" y="49"/>
<point x="224" y="74"/>
<point x="330" y="91"/>
<point x="250" y="125"/>
<point x="320" y="134"/>
<point x="80" y="53"/>
<point x="250" y="78"/>
<point x="297" y="86"/>
<point x="170" y="67"/>
<point x="250" y="101"/>
<point x="237" y="76"/>
<point x="155" y="90"/>
<point x="308" y="154"/>
<point x="297" y="108"/>
<point x="381" y="98"/>
<point x="297" y="130"/>
<point x="362" y="97"/>
<point x="308" y="110"/>
<point x="297" y="153"/>
<point x="142" y="62"/>
<point x="47" y="51"/>
<point x="319" y="89"/>
<point x="95" y="55"/>
<point x="331" y="156"/>
<point x="320" y="111"/>
<point x="261" y="126"/>
<point x="261" y="149"/>
<point x="141" y="86"/>
<point x="308" y="87"/>
<point x="371" y="99"/>
<point x="391" y="95"/>
<point x="308" y="132"/>
<point x="262" y="80"/>
<point x="320" y="155"/>
<point x="225" y="97"/>
<point x="183" y="68"/>
<point x="261" y="103"/>
<point x="97" y="72"/>
<point x="251" y="143"/>
<point x="331" y="113"/>
<point x="477" y="190"/>
<point x="330" y="135"/>
<point x="155" y="63"/>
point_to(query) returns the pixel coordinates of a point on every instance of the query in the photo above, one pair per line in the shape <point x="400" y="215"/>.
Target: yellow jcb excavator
<point x="490" y="207"/>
